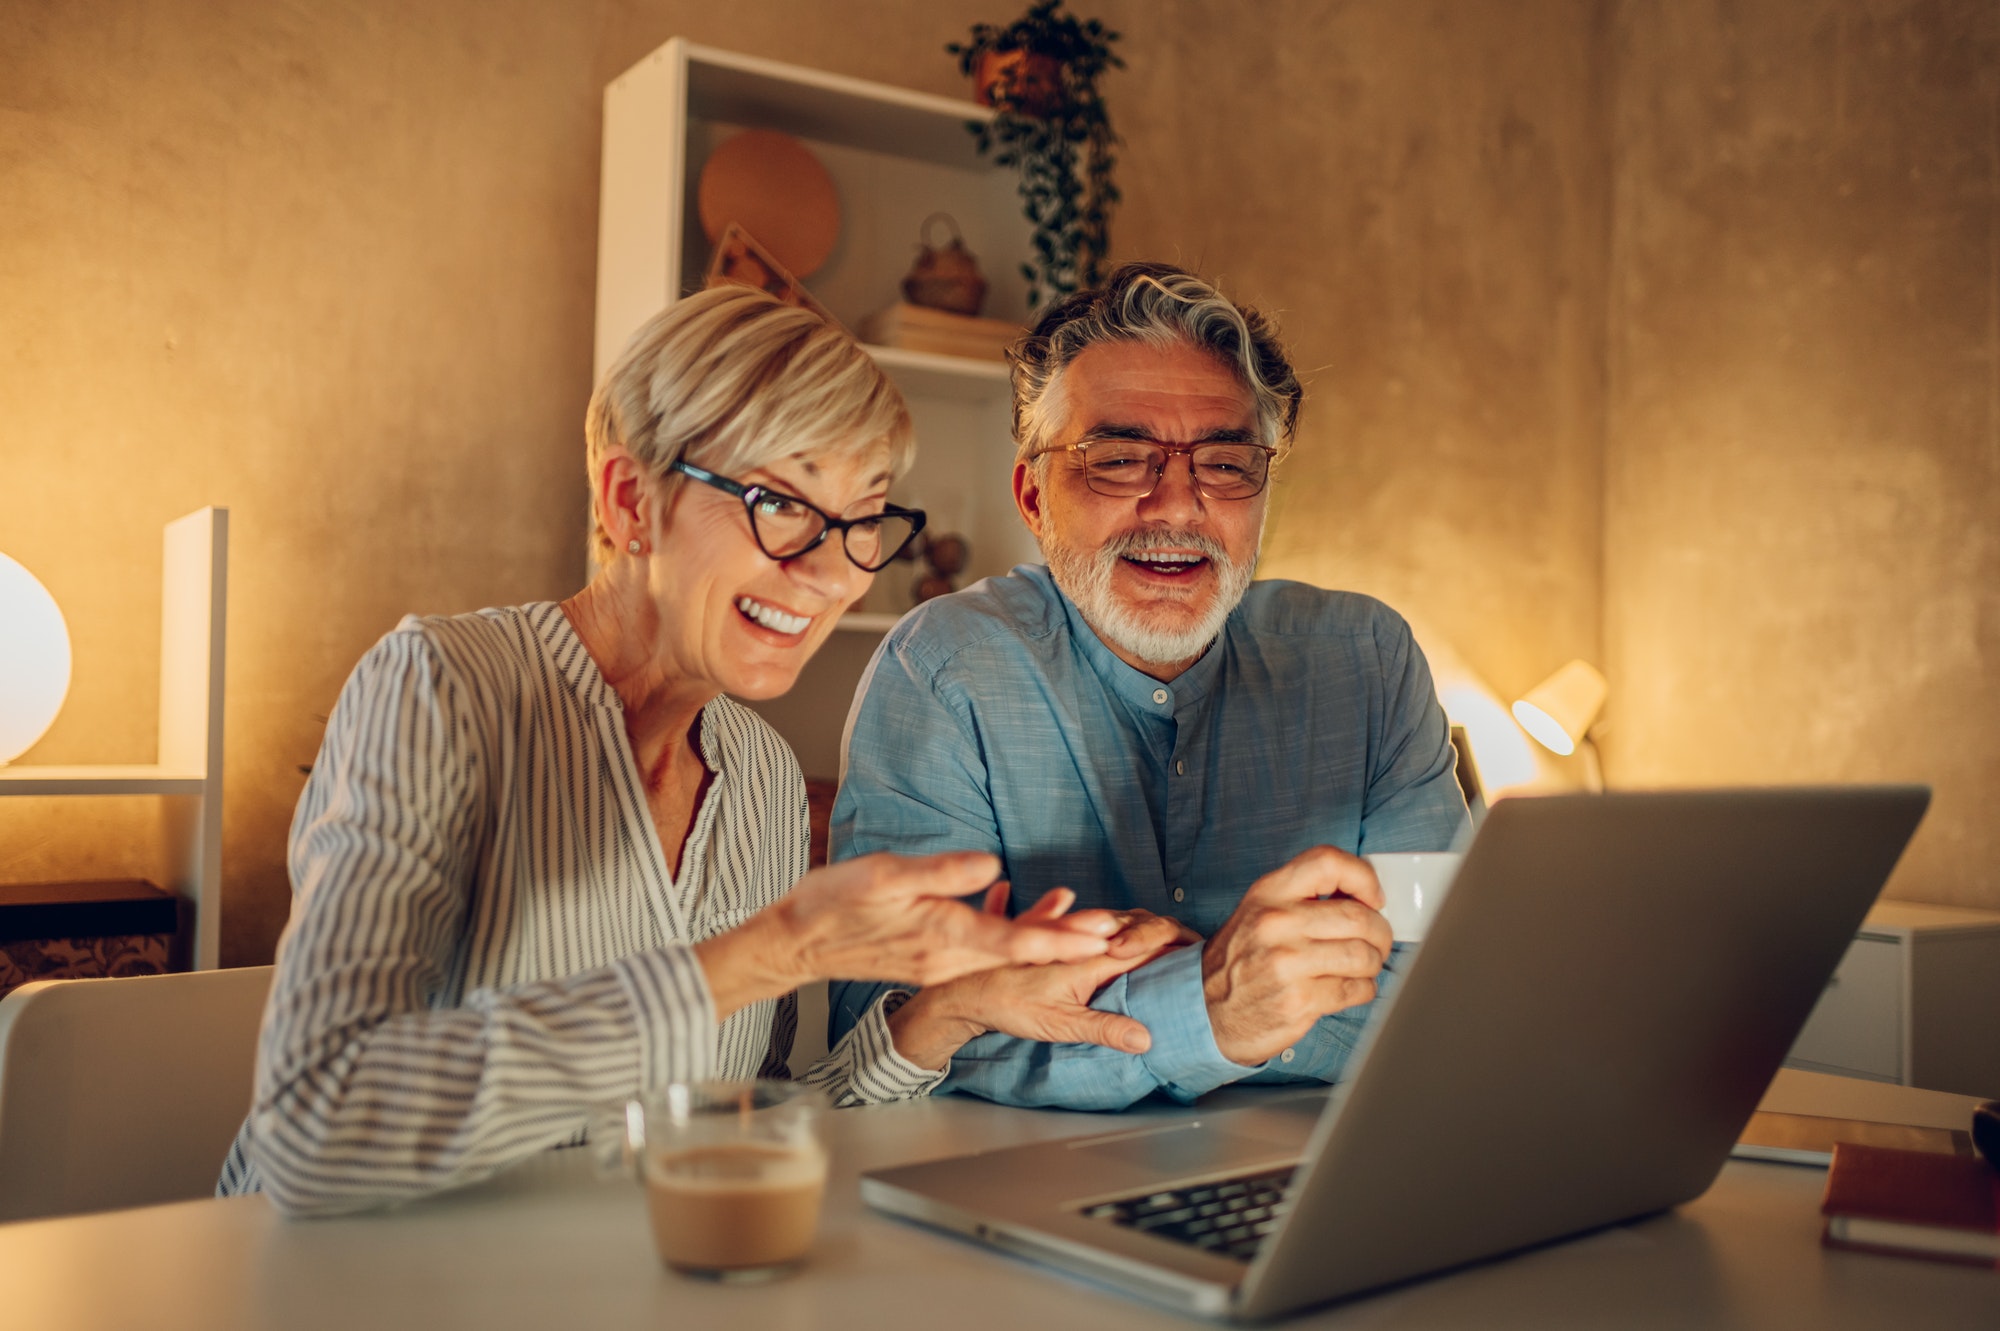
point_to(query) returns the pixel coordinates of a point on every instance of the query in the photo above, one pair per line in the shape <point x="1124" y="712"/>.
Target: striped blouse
<point x="486" y="941"/>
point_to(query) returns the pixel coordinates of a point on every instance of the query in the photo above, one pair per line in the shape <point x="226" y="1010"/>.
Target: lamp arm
<point x="1593" y="764"/>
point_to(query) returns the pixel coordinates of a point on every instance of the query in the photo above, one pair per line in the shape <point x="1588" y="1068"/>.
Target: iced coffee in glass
<point x="734" y="1174"/>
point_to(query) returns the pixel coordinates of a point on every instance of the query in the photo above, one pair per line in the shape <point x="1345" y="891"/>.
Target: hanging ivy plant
<point x="1040" y="75"/>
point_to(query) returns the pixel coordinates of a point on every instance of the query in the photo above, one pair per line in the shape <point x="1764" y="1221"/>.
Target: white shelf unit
<point x="194" y="584"/>
<point x="896" y="157"/>
<point x="1915" y="1001"/>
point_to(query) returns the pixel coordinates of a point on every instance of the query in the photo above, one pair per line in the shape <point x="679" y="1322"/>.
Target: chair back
<point x="124" y="1092"/>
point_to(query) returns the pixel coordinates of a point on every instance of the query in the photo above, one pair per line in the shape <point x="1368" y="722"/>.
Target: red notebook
<point x="1913" y="1203"/>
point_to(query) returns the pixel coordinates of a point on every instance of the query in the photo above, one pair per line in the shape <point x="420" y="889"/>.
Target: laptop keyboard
<point x="1230" y="1217"/>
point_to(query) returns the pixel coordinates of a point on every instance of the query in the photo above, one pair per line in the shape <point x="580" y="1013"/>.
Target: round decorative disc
<point x="772" y="186"/>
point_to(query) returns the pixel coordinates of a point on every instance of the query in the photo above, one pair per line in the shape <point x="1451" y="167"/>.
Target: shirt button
<point x="1288" y="1055"/>
<point x="1159" y="695"/>
<point x="1180" y="767"/>
<point x="1179" y="895"/>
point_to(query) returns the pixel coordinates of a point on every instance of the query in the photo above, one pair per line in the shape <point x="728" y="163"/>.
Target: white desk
<point x="549" y="1247"/>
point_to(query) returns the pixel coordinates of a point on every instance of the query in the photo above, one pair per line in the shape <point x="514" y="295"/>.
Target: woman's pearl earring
<point x="633" y="547"/>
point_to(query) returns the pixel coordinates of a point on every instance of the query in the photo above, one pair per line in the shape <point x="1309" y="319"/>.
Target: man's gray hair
<point x="1161" y="305"/>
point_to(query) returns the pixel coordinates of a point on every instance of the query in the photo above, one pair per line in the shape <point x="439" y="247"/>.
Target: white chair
<point x="125" y="1092"/>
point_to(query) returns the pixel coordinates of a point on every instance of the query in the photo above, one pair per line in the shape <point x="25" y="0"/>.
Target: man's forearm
<point x="1012" y="1071"/>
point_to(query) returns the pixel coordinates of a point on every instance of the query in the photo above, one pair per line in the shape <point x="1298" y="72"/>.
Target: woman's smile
<point x="774" y="621"/>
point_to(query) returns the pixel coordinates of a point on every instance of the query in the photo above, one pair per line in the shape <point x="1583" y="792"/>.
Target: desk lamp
<point x="1560" y="711"/>
<point x="34" y="660"/>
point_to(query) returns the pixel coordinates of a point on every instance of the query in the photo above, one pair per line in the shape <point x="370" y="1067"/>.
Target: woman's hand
<point x="1145" y="935"/>
<point x="888" y="917"/>
<point x="1049" y="1002"/>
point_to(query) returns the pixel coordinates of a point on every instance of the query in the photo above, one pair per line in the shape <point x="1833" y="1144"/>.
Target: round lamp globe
<point x="34" y="660"/>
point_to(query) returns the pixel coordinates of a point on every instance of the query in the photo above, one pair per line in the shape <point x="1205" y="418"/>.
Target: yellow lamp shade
<point x="34" y="660"/>
<point x="1560" y="710"/>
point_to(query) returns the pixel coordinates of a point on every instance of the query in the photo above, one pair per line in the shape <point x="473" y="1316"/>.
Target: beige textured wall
<point x="1803" y="446"/>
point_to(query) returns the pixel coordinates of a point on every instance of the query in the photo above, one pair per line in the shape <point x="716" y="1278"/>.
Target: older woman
<point x="543" y="862"/>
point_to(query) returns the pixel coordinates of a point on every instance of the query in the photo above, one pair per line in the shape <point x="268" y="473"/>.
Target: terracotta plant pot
<point x="1023" y="81"/>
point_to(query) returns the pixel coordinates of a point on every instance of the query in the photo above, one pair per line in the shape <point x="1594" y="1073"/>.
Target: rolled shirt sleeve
<point x="865" y="1068"/>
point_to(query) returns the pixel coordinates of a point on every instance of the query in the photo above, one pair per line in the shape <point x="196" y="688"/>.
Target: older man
<point x="1140" y="723"/>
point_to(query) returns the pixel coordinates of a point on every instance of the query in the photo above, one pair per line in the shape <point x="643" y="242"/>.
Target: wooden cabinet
<point x="896" y="157"/>
<point x="1916" y="1001"/>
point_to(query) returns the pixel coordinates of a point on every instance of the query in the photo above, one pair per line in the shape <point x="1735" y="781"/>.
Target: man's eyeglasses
<point x="1133" y="468"/>
<point x="786" y="526"/>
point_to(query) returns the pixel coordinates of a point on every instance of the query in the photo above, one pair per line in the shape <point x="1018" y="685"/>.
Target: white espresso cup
<point x="1413" y="887"/>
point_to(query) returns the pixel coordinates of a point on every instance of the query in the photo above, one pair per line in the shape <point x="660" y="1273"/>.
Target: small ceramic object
<point x="945" y="277"/>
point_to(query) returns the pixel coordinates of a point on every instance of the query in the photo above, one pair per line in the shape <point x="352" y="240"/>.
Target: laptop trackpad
<point x="1189" y="1151"/>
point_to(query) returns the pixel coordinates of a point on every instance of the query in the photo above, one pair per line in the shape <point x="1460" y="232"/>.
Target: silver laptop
<point x="1589" y="1024"/>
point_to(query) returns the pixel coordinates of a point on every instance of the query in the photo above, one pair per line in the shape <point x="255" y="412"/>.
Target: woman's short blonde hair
<point x="732" y="379"/>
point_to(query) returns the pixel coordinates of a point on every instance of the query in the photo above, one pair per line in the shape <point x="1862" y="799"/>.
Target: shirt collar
<point x="574" y="663"/>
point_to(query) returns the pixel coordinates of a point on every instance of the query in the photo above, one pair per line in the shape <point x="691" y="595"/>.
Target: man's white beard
<point x="1085" y="577"/>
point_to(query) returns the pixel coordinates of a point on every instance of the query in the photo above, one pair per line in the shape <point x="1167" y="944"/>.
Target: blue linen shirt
<point x="995" y="719"/>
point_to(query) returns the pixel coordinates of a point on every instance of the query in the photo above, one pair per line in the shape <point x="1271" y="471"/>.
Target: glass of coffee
<point x="734" y="1173"/>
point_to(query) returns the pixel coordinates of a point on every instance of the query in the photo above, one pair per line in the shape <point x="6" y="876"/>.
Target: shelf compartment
<point x="811" y="103"/>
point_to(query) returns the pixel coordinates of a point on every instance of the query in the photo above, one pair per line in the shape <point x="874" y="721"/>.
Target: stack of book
<point x="915" y="328"/>
<point x="1913" y="1204"/>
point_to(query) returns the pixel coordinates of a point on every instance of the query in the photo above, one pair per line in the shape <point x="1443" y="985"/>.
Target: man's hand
<point x="1307" y="940"/>
<point x="1049" y="1003"/>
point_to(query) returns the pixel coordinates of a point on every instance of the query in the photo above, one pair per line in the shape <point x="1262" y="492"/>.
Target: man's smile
<point x="1171" y="564"/>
